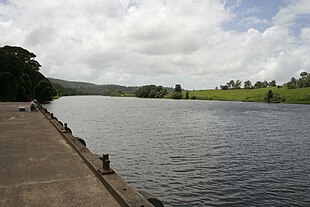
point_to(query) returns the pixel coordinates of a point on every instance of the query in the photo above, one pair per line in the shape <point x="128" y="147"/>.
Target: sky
<point x="199" y="44"/>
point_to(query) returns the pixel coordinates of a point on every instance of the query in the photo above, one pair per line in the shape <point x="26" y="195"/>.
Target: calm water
<point x="199" y="153"/>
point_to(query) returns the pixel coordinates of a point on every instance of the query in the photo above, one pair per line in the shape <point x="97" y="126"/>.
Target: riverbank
<point x="283" y="94"/>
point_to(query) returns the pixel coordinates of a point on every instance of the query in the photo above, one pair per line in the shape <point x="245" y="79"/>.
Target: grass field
<point x="300" y="95"/>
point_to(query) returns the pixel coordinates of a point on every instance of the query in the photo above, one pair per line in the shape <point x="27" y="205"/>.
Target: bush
<point x="177" y="95"/>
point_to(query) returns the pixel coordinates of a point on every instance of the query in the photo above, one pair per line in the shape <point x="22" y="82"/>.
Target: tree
<point x="187" y="95"/>
<point x="272" y="83"/>
<point x="224" y="87"/>
<point x="265" y="84"/>
<point x="230" y="84"/>
<point x="269" y="96"/>
<point x="178" y="88"/>
<point x="237" y="84"/>
<point x="247" y="84"/>
<point x="258" y="84"/>
<point x="43" y="91"/>
<point x="151" y="91"/>
<point x="304" y="80"/>
<point x="177" y="94"/>
<point x="19" y="74"/>
<point x="292" y="84"/>
<point x="304" y="74"/>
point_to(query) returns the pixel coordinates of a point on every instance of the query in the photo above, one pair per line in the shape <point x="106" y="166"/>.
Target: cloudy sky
<point x="197" y="43"/>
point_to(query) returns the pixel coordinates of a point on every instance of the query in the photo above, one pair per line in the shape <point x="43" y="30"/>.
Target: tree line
<point x="247" y="84"/>
<point x="302" y="82"/>
<point x="20" y="79"/>
<point x="153" y="91"/>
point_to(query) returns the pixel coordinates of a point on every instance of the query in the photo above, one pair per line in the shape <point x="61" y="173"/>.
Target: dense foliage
<point x="177" y="94"/>
<point x="20" y="76"/>
<point x="151" y="91"/>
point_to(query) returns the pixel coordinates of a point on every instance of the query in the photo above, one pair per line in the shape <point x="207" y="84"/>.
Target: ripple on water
<point x="199" y="153"/>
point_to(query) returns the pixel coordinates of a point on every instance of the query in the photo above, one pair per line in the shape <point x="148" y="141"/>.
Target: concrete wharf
<point x="42" y="164"/>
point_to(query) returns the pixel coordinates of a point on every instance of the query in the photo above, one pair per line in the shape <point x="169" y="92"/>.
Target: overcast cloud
<point x="162" y="42"/>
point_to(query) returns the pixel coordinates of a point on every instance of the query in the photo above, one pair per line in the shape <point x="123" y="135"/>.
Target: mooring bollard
<point x="106" y="162"/>
<point x="52" y="115"/>
<point x="106" y="169"/>
<point x="66" y="129"/>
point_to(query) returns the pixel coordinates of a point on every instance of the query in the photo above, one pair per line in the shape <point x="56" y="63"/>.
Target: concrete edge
<point x="123" y="193"/>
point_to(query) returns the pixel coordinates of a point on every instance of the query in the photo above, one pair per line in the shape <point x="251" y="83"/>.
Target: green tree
<point x="304" y="80"/>
<point x="177" y="94"/>
<point x="187" y="95"/>
<point x="43" y="91"/>
<point x="258" y="84"/>
<point x="265" y="84"/>
<point x="178" y="88"/>
<point x="269" y="96"/>
<point x="224" y="87"/>
<point x="151" y="91"/>
<point x="19" y="73"/>
<point x="272" y="83"/>
<point x="237" y="84"/>
<point x="230" y="84"/>
<point x="247" y="84"/>
<point x="292" y="84"/>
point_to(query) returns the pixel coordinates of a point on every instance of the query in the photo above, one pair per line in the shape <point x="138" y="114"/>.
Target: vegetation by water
<point x="294" y="91"/>
<point x="20" y="79"/>
<point x="283" y="94"/>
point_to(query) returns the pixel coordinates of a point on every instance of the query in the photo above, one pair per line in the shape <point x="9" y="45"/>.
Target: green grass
<point x="300" y="95"/>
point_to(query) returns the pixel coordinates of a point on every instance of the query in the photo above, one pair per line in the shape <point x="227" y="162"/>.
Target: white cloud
<point x="287" y="15"/>
<point x="252" y="20"/>
<point x="150" y="41"/>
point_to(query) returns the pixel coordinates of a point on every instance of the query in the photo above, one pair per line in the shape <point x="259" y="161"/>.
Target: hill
<point x="70" y="88"/>
<point x="71" y="84"/>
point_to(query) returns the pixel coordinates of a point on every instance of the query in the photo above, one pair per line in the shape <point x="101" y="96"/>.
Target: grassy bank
<point x="300" y="95"/>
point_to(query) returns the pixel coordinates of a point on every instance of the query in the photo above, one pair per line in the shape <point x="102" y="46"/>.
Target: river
<point x="199" y="153"/>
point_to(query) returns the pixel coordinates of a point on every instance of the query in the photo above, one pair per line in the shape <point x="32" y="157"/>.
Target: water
<point x="199" y="153"/>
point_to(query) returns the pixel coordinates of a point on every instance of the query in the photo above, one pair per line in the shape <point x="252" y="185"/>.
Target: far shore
<point x="282" y="95"/>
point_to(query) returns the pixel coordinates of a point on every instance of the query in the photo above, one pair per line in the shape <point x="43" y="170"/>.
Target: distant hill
<point x="71" y="84"/>
<point x="70" y="88"/>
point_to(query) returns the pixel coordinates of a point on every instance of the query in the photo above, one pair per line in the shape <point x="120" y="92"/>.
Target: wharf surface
<point x="40" y="167"/>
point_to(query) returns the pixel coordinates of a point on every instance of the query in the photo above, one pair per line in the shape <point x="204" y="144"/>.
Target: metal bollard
<point x="66" y="129"/>
<point x="106" y="169"/>
<point x="105" y="162"/>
